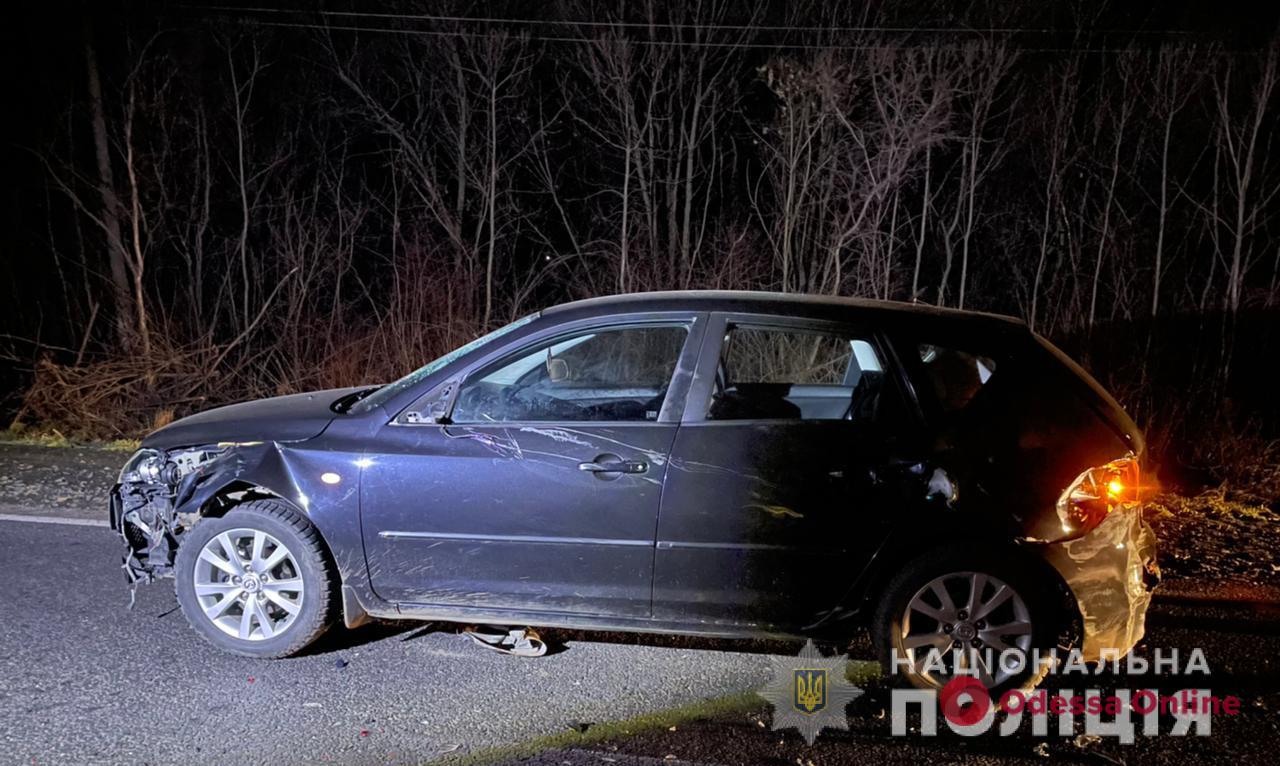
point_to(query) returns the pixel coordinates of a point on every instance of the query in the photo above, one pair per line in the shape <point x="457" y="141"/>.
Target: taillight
<point x="1097" y="492"/>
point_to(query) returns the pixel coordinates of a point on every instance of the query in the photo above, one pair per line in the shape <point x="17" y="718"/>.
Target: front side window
<point x="772" y="373"/>
<point x="391" y="390"/>
<point x="605" y="375"/>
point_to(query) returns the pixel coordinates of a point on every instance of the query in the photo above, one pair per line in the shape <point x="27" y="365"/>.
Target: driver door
<point x="540" y="492"/>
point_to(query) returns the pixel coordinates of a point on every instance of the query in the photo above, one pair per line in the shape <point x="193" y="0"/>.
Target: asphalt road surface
<point x="84" y="679"/>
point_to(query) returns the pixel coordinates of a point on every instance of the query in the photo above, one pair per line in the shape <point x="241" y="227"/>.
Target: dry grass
<point x="127" y="395"/>
<point x="113" y="399"/>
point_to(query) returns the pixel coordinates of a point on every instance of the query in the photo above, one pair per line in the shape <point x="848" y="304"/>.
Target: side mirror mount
<point x="438" y="411"/>
<point x="434" y="409"/>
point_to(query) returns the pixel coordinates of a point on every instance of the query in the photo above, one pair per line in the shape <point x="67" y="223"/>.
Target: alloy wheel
<point x="966" y="623"/>
<point x="248" y="584"/>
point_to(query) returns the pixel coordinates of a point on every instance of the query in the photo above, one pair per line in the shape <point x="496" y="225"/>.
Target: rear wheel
<point x="256" y="581"/>
<point x="959" y="613"/>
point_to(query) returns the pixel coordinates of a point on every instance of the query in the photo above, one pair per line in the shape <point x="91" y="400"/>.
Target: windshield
<point x="390" y="391"/>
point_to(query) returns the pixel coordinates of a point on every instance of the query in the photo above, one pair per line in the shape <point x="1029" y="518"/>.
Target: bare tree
<point x="108" y="218"/>
<point x="985" y="67"/>
<point x="1175" y="81"/>
<point x="1250" y="186"/>
<point x="275" y="223"/>
<point x="1057" y="135"/>
<point x="482" y="81"/>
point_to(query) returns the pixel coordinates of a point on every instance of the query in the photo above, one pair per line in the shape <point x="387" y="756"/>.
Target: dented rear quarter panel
<point x="1111" y="572"/>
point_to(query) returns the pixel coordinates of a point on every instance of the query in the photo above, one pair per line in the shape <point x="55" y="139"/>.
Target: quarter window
<point x="772" y="373"/>
<point x="603" y="375"/>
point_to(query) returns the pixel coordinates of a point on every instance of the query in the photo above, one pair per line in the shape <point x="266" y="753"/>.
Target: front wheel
<point x="257" y="581"/>
<point x="961" y="613"/>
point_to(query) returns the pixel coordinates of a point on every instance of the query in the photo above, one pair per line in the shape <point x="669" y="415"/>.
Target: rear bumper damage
<point x="1112" y="572"/>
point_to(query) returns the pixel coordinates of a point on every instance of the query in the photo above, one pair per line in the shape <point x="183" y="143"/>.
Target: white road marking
<point x="52" y="520"/>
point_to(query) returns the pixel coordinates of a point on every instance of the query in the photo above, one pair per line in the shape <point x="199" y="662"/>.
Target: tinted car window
<point x="770" y="373"/>
<point x="955" y="376"/>
<point x="606" y="375"/>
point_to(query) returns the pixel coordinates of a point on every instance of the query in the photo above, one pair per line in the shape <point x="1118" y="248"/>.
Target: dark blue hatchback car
<point x="729" y="464"/>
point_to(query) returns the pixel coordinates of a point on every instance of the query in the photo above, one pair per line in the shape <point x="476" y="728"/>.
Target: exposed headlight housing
<point x="145" y="466"/>
<point x="150" y="466"/>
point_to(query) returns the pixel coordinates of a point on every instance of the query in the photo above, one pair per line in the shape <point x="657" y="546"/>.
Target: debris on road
<point x="521" y="642"/>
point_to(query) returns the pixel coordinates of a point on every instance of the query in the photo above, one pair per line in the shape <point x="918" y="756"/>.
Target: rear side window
<point x="766" y="355"/>
<point x="778" y="373"/>
<point x="955" y="377"/>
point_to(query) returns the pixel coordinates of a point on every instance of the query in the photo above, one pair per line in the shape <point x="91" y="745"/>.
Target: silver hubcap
<point x="248" y="584"/>
<point x="967" y="621"/>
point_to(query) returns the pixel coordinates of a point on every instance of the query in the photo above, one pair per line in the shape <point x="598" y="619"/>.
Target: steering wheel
<point x="526" y="398"/>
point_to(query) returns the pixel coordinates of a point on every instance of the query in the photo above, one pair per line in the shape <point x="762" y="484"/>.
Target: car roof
<point x="786" y="304"/>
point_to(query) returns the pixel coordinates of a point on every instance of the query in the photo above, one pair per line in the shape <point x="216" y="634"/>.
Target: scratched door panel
<point x="503" y="516"/>
<point x="765" y="524"/>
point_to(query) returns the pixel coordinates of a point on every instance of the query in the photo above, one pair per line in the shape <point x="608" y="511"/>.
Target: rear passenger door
<point x="772" y="505"/>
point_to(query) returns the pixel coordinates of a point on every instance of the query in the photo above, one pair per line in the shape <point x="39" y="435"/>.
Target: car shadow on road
<point x="567" y="638"/>
<point x="562" y="640"/>
<point x="342" y="639"/>
<point x="1242" y="621"/>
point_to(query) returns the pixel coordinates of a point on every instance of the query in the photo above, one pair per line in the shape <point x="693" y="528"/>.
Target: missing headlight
<point x="145" y="498"/>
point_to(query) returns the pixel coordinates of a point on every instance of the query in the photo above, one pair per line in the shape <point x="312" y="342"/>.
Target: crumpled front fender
<point x="289" y="472"/>
<point x="259" y="465"/>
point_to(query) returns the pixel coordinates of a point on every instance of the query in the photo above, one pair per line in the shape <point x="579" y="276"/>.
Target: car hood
<point x="281" y="418"/>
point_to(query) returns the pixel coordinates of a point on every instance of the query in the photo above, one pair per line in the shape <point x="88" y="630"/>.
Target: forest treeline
<point x="239" y="209"/>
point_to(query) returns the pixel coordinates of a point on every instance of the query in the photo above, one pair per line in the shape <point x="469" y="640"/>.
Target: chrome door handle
<point x="620" y="466"/>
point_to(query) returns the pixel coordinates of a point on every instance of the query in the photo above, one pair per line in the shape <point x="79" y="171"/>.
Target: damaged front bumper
<point x="145" y="507"/>
<point x="143" y="515"/>
<point x="1111" y="572"/>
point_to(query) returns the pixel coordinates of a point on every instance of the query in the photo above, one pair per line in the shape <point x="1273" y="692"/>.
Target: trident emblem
<point x="810" y="690"/>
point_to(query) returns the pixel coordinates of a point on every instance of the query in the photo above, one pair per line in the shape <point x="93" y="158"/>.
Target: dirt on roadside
<point x="65" y="482"/>
<point x="1218" y="546"/>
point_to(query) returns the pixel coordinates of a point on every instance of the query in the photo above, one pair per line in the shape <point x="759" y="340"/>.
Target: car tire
<point x="295" y="595"/>
<point x="1032" y="600"/>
